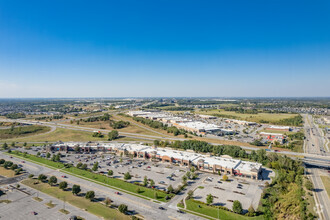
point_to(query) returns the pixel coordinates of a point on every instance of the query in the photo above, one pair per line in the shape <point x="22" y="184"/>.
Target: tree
<point x="52" y="180"/>
<point x="25" y="144"/>
<point x="77" y="149"/>
<point x="251" y="211"/>
<point x="192" y="169"/>
<point x="156" y="143"/>
<point x="127" y="176"/>
<point x="84" y="166"/>
<point x="170" y="189"/>
<point x="79" y="165"/>
<point x="184" y="180"/>
<point x="190" y="194"/>
<point x="152" y="183"/>
<point x="138" y="190"/>
<point x="7" y="164"/>
<point x="2" y="161"/>
<point x="110" y="173"/>
<point x="18" y="171"/>
<point x="13" y="144"/>
<point x="156" y="195"/>
<point x="108" y="201"/>
<point x="209" y="199"/>
<point x="122" y="208"/>
<point x="63" y="185"/>
<point x="48" y="155"/>
<point x="237" y="207"/>
<point x="309" y="185"/>
<point x="31" y="176"/>
<point x="14" y="167"/>
<point x="113" y="135"/>
<point x="76" y="189"/>
<point x="225" y="177"/>
<point x="58" y="157"/>
<point x="145" y="181"/>
<point x="95" y="166"/>
<point x="38" y="154"/>
<point x="90" y="195"/>
<point x="42" y="177"/>
<point x="5" y="146"/>
<point x="188" y="174"/>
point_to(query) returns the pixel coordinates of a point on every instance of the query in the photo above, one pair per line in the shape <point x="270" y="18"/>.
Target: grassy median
<point x="95" y="208"/>
<point x="214" y="212"/>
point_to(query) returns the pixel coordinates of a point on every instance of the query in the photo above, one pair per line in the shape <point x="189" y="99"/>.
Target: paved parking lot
<point x="245" y="190"/>
<point x="163" y="174"/>
<point x="23" y="205"/>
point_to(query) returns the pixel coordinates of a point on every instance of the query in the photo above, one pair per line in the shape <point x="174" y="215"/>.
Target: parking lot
<point x="245" y="190"/>
<point x="163" y="174"/>
<point x="24" y="206"/>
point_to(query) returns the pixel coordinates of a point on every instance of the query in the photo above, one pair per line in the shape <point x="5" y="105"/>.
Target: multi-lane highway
<point x="314" y="145"/>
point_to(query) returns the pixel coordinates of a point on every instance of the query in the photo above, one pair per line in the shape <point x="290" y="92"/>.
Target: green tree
<point x="25" y="144"/>
<point x="48" y="155"/>
<point x="95" y="166"/>
<point x="76" y="189"/>
<point x="225" y="177"/>
<point x="38" y="154"/>
<point x="5" y="146"/>
<point x="145" y="181"/>
<point x="13" y="144"/>
<point x="170" y="189"/>
<point x="84" y="166"/>
<point x="251" y="211"/>
<point x="112" y="135"/>
<point x="190" y="194"/>
<point x="77" y="149"/>
<point x="152" y="183"/>
<point x="63" y="185"/>
<point x="309" y="185"/>
<point x="90" y="195"/>
<point x="42" y="177"/>
<point x="52" y="180"/>
<point x="127" y="176"/>
<point x="209" y="199"/>
<point x="110" y="173"/>
<point x="14" y="167"/>
<point x="108" y="201"/>
<point x="237" y="207"/>
<point x="79" y="165"/>
<point x="123" y="208"/>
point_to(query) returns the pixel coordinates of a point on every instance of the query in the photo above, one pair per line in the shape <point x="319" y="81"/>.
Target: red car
<point x="117" y="193"/>
<point x="23" y="161"/>
<point x="64" y="177"/>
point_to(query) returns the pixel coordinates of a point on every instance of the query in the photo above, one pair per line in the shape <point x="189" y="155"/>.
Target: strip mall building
<point x="225" y="164"/>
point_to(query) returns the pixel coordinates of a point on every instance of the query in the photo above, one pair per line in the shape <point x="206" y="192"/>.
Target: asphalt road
<point x="149" y="209"/>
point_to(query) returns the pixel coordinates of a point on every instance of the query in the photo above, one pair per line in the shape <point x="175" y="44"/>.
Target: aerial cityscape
<point x="164" y="110"/>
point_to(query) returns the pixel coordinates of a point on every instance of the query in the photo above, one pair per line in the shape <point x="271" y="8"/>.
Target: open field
<point x="95" y="208"/>
<point x="23" y="131"/>
<point x="60" y="134"/>
<point x="213" y="212"/>
<point x="99" y="125"/>
<point x="6" y="172"/>
<point x="326" y="183"/>
<point x="249" y="117"/>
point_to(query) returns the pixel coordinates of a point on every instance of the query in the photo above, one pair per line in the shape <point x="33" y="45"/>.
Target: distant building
<point x="279" y="128"/>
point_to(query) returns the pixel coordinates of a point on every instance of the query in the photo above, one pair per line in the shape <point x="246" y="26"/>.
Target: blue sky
<point x="164" y="48"/>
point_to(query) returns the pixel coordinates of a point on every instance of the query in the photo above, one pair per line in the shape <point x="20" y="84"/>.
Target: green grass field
<point x="326" y="183"/>
<point x="130" y="187"/>
<point x="213" y="212"/>
<point x="24" y="131"/>
<point x="60" y="134"/>
<point x="95" y="208"/>
<point x="248" y="117"/>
